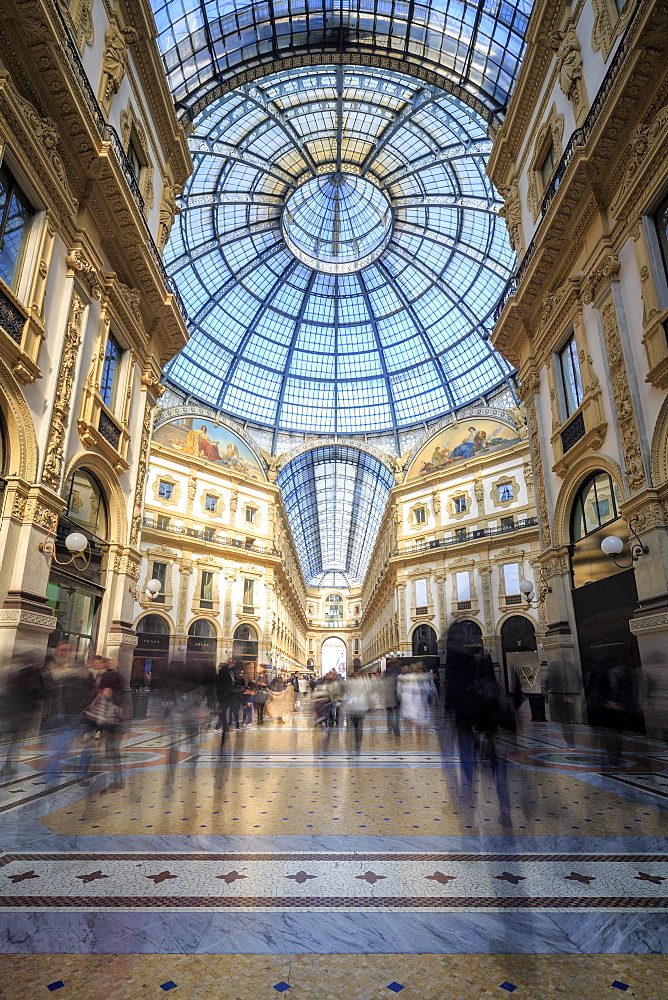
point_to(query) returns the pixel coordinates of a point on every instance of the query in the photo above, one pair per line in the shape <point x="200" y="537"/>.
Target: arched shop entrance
<point x="201" y="650"/>
<point x="466" y="633"/>
<point x="425" y="641"/>
<point x="245" y="648"/>
<point x="604" y="601"/>
<point x="151" y="655"/>
<point x="333" y="656"/>
<point x="75" y="595"/>
<point x="520" y="661"/>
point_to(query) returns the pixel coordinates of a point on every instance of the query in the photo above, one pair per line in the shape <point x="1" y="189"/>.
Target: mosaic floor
<point x="550" y="873"/>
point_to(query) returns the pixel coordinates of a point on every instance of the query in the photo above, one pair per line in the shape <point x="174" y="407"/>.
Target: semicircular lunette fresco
<point x="196" y="437"/>
<point x="472" y="438"/>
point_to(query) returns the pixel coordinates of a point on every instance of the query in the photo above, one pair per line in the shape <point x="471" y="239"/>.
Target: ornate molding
<point x="630" y="444"/>
<point x="649" y="623"/>
<point x="539" y="484"/>
<point x="608" y="24"/>
<point x="53" y="458"/>
<point x="16" y="617"/>
<point x="599" y="279"/>
<point x="142" y="467"/>
<point x="646" y="141"/>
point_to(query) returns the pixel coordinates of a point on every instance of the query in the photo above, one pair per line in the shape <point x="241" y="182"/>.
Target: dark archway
<point x="201" y="650"/>
<point x="245" y="648"/>
<point x="425" y="641"/>
<point x="605" y="598"/>
<point x="149" y="662"/>
<point x="518" y="634"/>
<point x="466" y="633"/>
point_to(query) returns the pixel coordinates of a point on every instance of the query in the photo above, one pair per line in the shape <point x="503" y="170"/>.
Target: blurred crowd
<point x="80" y="707"/>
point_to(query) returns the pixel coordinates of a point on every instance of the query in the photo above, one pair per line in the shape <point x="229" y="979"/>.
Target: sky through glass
<point x="382" y="340"/>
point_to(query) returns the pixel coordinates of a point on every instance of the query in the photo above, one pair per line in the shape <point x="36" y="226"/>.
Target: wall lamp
<point x="527" y="589"/>
<point x="152" y="590"/>
<point x="76" y="544"/>
<point x="612" y="545"/>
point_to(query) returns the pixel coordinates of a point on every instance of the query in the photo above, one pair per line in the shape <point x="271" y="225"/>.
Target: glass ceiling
<point x="335" y="497"/>
<point x="475" y="44"/>
<point x="339" y="252"/>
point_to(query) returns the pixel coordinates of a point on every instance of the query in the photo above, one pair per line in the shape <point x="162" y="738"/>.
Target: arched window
<point x="518" y="635"/>
<point x="202" y="628"/>
<point x="466" y="633"/>
<point x="595" y="505"/>
<point x="425" y="641"/>
<point x="333" y="606"/>
<point x="154" y="624"/>
<point x="245" y="633"/>
<point x="86" y="504"/>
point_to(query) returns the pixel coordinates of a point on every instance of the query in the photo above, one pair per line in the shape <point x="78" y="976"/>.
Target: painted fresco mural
<point x="200" y="438"/>
<point x="459" y="442"/>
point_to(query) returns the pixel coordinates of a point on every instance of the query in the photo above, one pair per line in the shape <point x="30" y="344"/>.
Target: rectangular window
<point x="163" y="522"/>
<point x="460" y="534"/>
<point x="421" y="593"/>
<point x="661" y="223"/>
<point x="507" y="523"/>
<point x="15" y="216"/>
<point x="420" y="515"/>
<point x="165" y="490"/>
<point x="206" y="589"/>
<point x="110" y="372"/>
<point x="249" y="593"/>
<point x="134" y="160"/>
<point x="210" y="503"/>
<point x="505" y="492"/>
<point x="511" y="578"/>
<point x="356" y="646"/>
<point x="251" y="513"/>
<point x="209" y="534"/>
<point x="159" y="572"/>
<point x="547" y="166"/>
<point x="569" y="366"/>
<point x="463" y="581"/>
<point x="459" y="505"/>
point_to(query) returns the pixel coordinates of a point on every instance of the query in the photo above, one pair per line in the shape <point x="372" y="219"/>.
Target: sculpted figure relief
<point x="569" y="60"/>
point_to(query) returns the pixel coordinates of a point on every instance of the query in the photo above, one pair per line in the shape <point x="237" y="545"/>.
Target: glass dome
<point x="337" y="223"/>
<point x="339" y="252"/>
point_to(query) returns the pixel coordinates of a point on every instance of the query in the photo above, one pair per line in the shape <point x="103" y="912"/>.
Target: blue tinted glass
<point x="340" y="253"/>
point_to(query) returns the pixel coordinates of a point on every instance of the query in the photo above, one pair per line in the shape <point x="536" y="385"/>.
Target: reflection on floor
<point x="289" y="845"/>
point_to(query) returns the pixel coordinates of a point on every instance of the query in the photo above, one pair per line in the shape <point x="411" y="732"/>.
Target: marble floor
<point x="291" y="863"/>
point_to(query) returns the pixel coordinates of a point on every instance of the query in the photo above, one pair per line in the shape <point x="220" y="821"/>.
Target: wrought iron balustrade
<point x="12" y="319"/>
<point x="572" y="432"/>
<point x="109" y="430"/>
<point x="466" y="536"/>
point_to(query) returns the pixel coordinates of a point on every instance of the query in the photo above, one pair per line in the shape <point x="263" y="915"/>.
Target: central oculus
<point x="337" y="222"/>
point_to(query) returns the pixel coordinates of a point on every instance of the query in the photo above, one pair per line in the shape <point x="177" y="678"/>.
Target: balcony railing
<point x="205" y="536"/>
<point x="578" y="139"/>
<point x="475" y="535"/>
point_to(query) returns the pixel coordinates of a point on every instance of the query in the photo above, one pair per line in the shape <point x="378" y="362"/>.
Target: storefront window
<point x="85" y="503"/>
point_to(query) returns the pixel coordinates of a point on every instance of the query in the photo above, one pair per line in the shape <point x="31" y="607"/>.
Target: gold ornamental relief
<point x="53" y="458"/>
<point x="628" y="429"/>
<point x="539" y="482"/>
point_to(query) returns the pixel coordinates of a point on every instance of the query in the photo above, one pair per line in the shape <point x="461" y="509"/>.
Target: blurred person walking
<point x="390" y="678"/>
<point x="22" y="695"/>
<point x="417" y="696"/>
<point x="73" y="690"/>
<point x="357" y="703"/>
<point x="104" y="718"/>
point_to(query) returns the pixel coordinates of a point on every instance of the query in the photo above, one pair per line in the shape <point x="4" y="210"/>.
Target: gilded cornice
<point x="36" y="138"/>
<point x="591" y="180"/>
<point x="546" y="17"/>
<point x="155" y="89"/>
